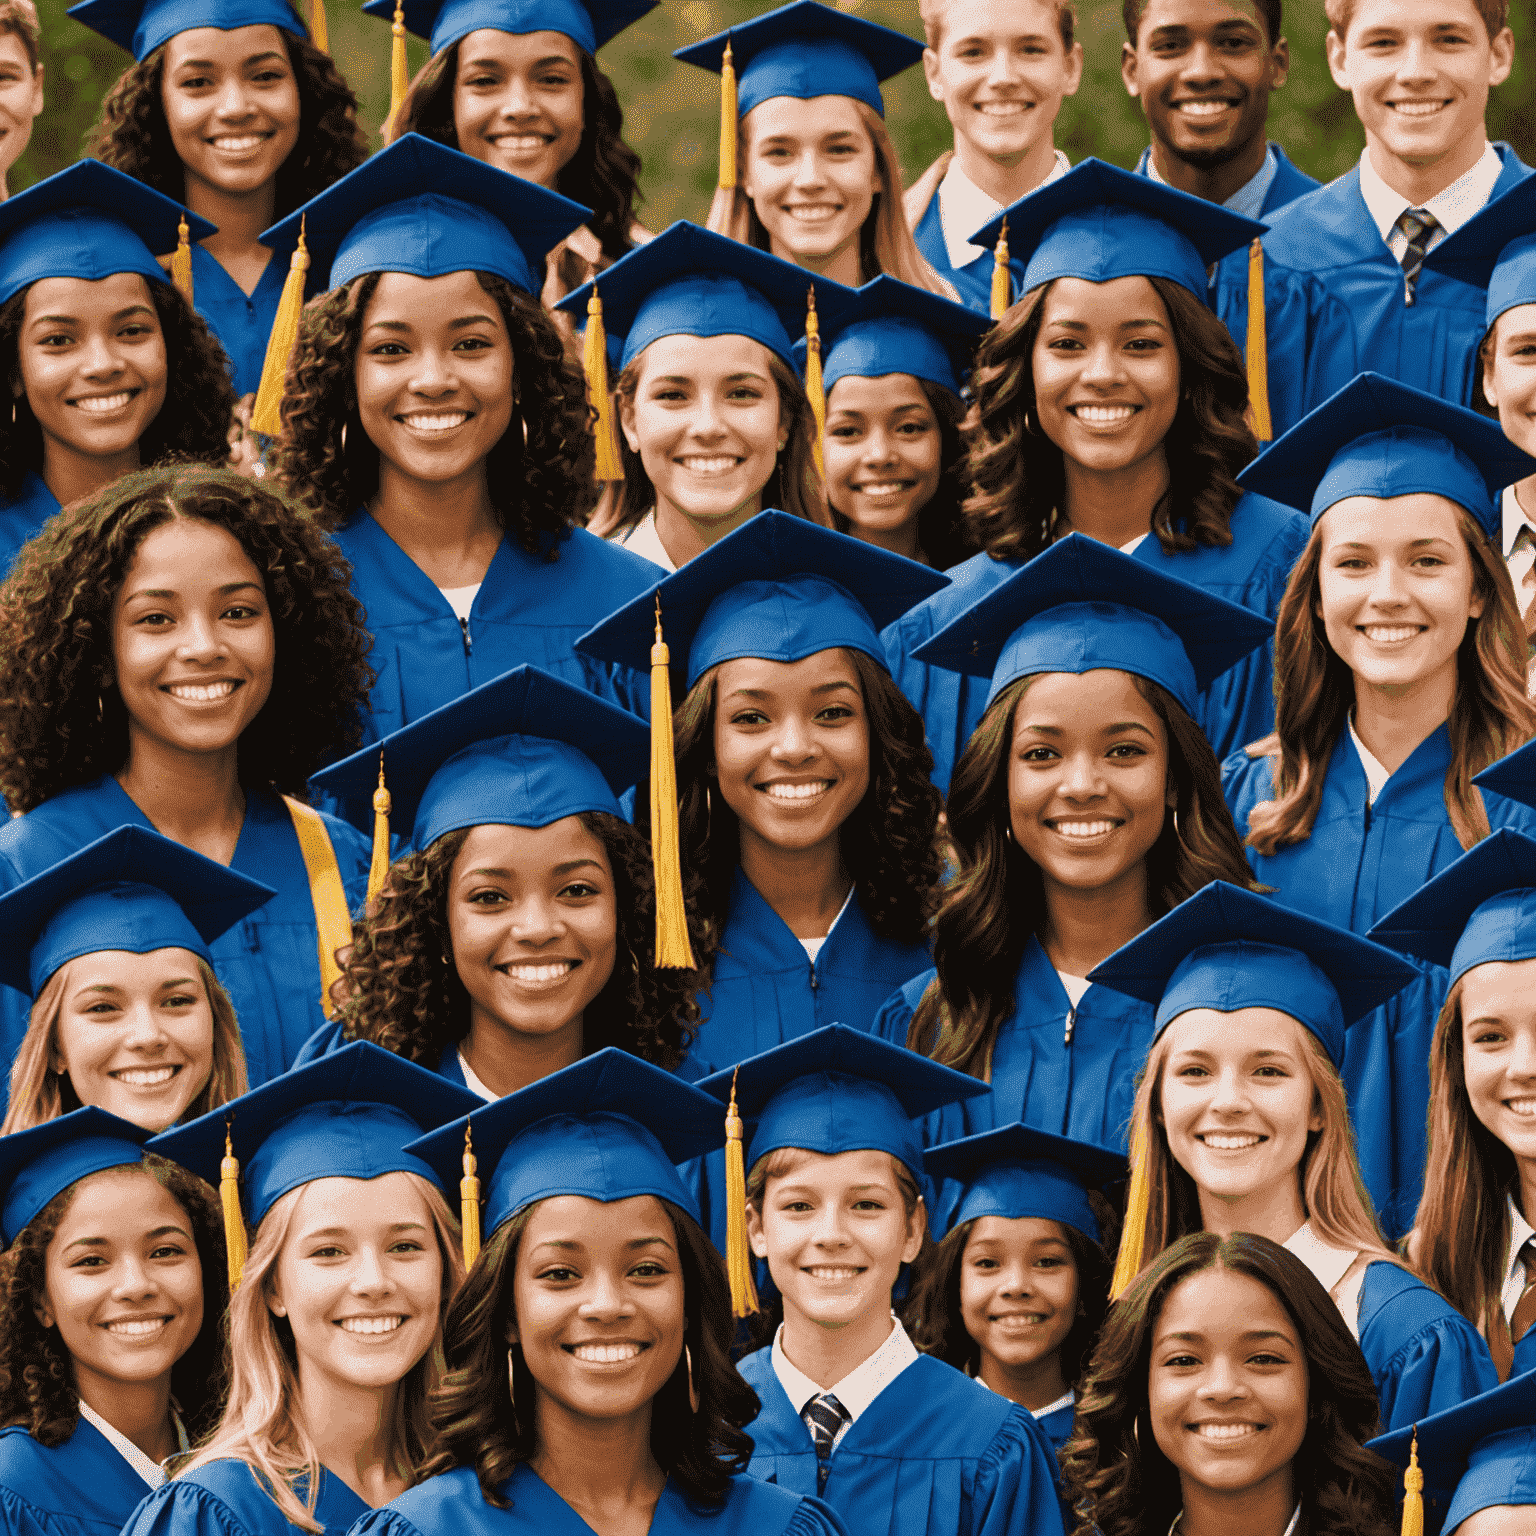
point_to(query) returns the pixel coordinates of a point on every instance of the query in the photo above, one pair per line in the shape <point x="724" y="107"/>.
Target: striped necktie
<point x="824" y="1416"/>
<point x="1419" y="225"/>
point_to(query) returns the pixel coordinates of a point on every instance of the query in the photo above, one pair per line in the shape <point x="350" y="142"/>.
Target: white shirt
<point x="964" y="208"/>
<point x="1514" y="520"/>
<point x="473" y="1083"/>
<point x="1465" y="196"/>
<point x="1376" y="775"/>
<point x="1074" y="987"/>
<point x="1330" y="1265"/>
<point x="461" y="600"/>
<point x="642" y="539"/>
<point x="812" y="947"/>
<point x="1514" y="1278"/>
<point x="1248" y="200"/>
<point x="1289" y="1530"/>
<point x="859" y="1388"/>
<point x="153" y="1472"/>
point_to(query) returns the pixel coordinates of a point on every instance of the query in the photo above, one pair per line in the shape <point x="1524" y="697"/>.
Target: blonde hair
<point x="37" y="1092"/>
<point x="261" y="1426"/>
<point x="931" y="14"/>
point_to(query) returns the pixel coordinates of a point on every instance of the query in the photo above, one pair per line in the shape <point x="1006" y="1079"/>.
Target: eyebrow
<point x="1423" y="543"/>
<point x="1172" y="29"/>
<point x="790" y="138"/>
<point x="103" y="1242"/>
<point x="571" y="1245"/>
<point x="1108" y="730"/>
<point x="122" y="314"/>
<point x="730" y="378"/>
<point x="1125" y="325"/>
<point x="1251" y="1333"/>
<point x="112" y="986"/>
<point x="559" y="869"/>
<point x="255" y="58"/>
<point x="394" y="1226"/>
<point x="767" y="693"/>
<point x="463" y="322"/>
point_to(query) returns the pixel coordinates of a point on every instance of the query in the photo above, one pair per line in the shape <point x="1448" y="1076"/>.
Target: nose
<point x="827" y="1228"/>
<point x="133" y="1281"/>
<point x="705" y="423"/>
<point x="1003" y="68"/>
<point x="810" y="174"/>
<point x="1415" y="64"/>
<point x="537" y="921"/>
<point x="143" y="1028"/>
<point x="233" y="100"/>
<point x="1221" y="1383"/>
<point x="1387" y="586"/>
<point x="101" y="358"/>
<point x="605" y="1300"/>
<point x="1082" y="776"/>
<point x="1522" y="1054"/>
<point x="433" y="375"/>
<point x="795" y="742"/>
<point x="518" y="100"/>
<point x="199" y="639"/>
<point x="1103" y="367"/>
<point x="1231" y="1092"/>
<point x="879" y="447"/>
<point x="1017" y="1280"/>
<point x="369" y="1275"/>
<point x="1201" y="65"/>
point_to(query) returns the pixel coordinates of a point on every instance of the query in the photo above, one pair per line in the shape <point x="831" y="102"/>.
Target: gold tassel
<point x="319" y="33"/>
<point x="1133" y="1235"/>
<point x="673" y="949"/>
<point x="267" y="417"/>
<point x="234" y="1217"/>
<point x="727" y="120"/>
<point x="382" y="805"/>
<point x="594" y="363"/>
<point x="814" y="391"/>
<point x="469" y="1203"/>
<point x="738" y="1256"/>
<point x="181" y="261"/>
<point x="1413" y="1491"/>
<point x="399" y="71"/>
<point x="1002" y="279"/>
<point x="1258" y="348"/>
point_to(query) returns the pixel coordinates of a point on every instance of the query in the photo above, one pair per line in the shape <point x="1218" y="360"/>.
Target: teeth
<point x="798" y="791"/>
<point x="813" y="213"/>
<point x="1104" y="415"/>
<point x="137" y="1327"/>
<point x="832" y="1272"/>
<point x="237" y="142"/>
<point x="883" y="488"/>
<point x="518" y="141"/>
<point x="372" y="1324"/>
<point x="1003" y="108"/>
<point x="1526" y="1107"/>
<point x="101" y="404"/>
<point x="435" y="421"/>
<point x="1388" y="634"/>
<point x="1416" y="108"/>
<point x="1225" y="1431"/>
<point x="1020" y="1320"/>
<point x="201" y="693"/>
<point x="606" y="1354"/>
<point x="1204" y="108"/>
<point x="552" y="972"/>
<point x="712" y="464"/>
<point x="1230" y="1143"/>
<point x="1083" y="828"/>
<point x="145" y="1077"/>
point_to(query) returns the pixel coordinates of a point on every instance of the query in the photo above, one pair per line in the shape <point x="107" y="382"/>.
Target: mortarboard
<point x="588" y="23"/>
<point x="1513" y="776"/>
<point x="1494" y="250"/>
<point x="141" y="26"/>
<point x="39" y="1164"/>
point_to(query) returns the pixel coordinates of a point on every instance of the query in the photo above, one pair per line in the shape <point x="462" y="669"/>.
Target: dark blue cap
<point x="1226" y="948"/>
<point x="141" y="26"/>
<point x="806" y="49"/>
<point x="1018" y="1171"/>
<point x="38" y="1164"/>
<point x="608" y="1128"/>
<point x="1379" y="438"/>
<point x="348" y="1115"/>
<point x="1495" y="249"/>
<point x="588" y="23"/>
<point x="1513" y="776"/>
<point x="759" y="592"/>
<point x="840" y="1090"/>
<point x="88" y="221"/>
<point x="1082" y="605"/>
<point x="475" y="218"/>
<point x="1099" y="223"/>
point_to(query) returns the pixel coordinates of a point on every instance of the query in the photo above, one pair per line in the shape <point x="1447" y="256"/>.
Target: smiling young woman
<point x="21" y="82"/>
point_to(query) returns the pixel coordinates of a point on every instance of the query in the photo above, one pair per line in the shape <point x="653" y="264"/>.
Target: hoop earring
<point x="13" y="410"/>
<point x="1029" y="426"/>
<point x="524" y="421"/>
<point x="512" y="1387"/>
<point x="101" y="709"/>
<point x="343" y="437"/>
<point x="693" y="1389"/>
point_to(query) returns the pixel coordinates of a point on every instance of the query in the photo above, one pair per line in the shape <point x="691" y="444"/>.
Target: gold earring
<point x="693" y="1388"/>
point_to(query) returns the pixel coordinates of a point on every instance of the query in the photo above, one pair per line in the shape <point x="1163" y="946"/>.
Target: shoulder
<point x="1395" y="1303"/>
<point x="765" y="1509"/>
<point x="220" y="1496"/>
<point x="1244" y="776"/>
<point x="895" y="1014"/>
<point x="1324" y="228"/>
<point x="967" y="581"/>
<point x="583" y="551"/>
<point x="757" y="1368"/>
<point x="346" y="839"/>
<point x="1290" y="181"/>
<point x="429" y="1504"/>
<point x="52" y="831"/>
<point x="1270" y="527"/>
<point x="957" y="1416"/>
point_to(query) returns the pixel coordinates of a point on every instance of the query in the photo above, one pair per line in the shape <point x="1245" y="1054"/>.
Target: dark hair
<point x="132" y="135"/>
<point x="604" y="173"/>
<point x="482" y="1426"/>
<point x="540" y="487"/>
<point x="193" y="423"/>
<point x="37" y="1379"/>
<point x="20" y="17"/>
<point x="396" y="991"/>
<point x="1116" y="1477"/>
<point x="996" y="900"/>
<point x="62" y="724"/>
<point x="1131" y="12"/>
<point x="1015" y="470"/>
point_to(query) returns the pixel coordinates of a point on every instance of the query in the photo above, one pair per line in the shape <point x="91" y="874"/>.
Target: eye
<point x="1270" y="1070"/>
<point x="1431" y="562"/>
<point x="835" y="714"/>
<point x="1192" y="1069"/>
<point x="1126" y="749"/>
<point x="1064" y="344"/>
<point x="869" y="1203"/>
<point x="558" y="1274"/>
<point x="1181" y="1362"/>
<point x="326" y="1251"/>
<point x="914" y="427"/>
<point x="1038" y="754"/>
<point x="180" y="1001"/>
<point x="1144" y="344"/>
<point x="1050" y="1261"/>
<point x="387" y="349"/>
<point x="749" y="717"/>
<point x="474" y="344"/>
<point x="195" y="82"/>
<point x="580" y="890"/>
<point x="102" y="1005"/>
<point x="488" y="896"/>
<point x="168" y="1251"/>
<point x="153" y="620"/>
<point x="269" y="76"/>
<point x="407" y="1245"/>
<point x="240" y="613"/>
<point x="89" y="1261"/>
<point x="1268" y="1359"/>
<point x="985" y="1262"/>
<point x="846" y="430"/>
<point x="795" y="1207"/>
<point x="1488" y="1035"/>
<point x="649" y="1269"/>
<point x="138" y="328"/>
<point x="55" y="341"/>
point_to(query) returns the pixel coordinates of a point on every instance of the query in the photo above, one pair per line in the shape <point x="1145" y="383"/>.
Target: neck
<point x="1005" y="180"/>
<point x="1084" y="927"/>
<point x="1419" y="183"/>
<point x="1263" y="1510"/>
<point x="844" y="265"/>
<point x="683" y="536"/>
<point x="505" y="1060"/>
<point x="827" y="1355"/>
<point x="805" y="886"/>
<point x="1114" y="506"/>
<point x="241" y="216"/>
<point x="1035" y="1384"/>
<point x="192" y="798"/>
<point x="1394" y="722"/>
<point x="353" y="1433"/>
<point x="448" y="527"/>
<point x="1215" y="183"/>
<point x="1275" y="1212"/>
<point x="140" y="1411"/>
<point x="899" y="541"/>
<point x="71" y="475"/>
<point x="603" y="1468"/>
<point x="1525" y="494"/>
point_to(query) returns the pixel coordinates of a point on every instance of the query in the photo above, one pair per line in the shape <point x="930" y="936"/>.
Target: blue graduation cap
<point x="1495" y="250"/>
<point x="1081" y="605"/>
<point x="89" y="221"/>
<point x="1379" y="438"/>
<point x="1017" y="1171"/>
<point x="41" y="1163"/>
<point x="141" y="26"/>
<point x="1513" y="776"/>
<point x="1226" y="948"/>
<point x="131" y="890"/>
<point x="588" y="23"/>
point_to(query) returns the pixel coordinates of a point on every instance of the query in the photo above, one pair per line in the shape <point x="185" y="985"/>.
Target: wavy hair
<point x="481" y="1426"/>
<point x="1315" y="690"/>
<point x="540" y="487"/>
<point x="396" y="991"/>
<point x="132" y="135"/>
<point x="62" y="724"/>
<point x="37" y="1379"/>
<point x="1114" y="1473"/>
<point x="996" y="901"/>
<point x="261" y="1425"/>
<point x="1016" y="472"/>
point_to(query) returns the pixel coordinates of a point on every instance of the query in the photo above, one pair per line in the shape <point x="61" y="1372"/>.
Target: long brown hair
<point x="1315" y="690"/>
<point x="996" y="900"/>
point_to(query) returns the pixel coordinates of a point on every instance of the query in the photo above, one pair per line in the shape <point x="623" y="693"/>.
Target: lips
<point x="238" y="143"/>
<point x="812" y="213"/>
<point x="1418" y="108"/>
<point x="547" y="973"/>
<point x="433" y="422"/>
<point x="796" y="794"/>
<point x="202" y="693"/>
<point x="1084" y="829"/>
<point x="618" y="1353"/>
<point x="102" y="405"/>
<point x="1230" y="1141"/>
<point x="1223" y="1432"/>
<point x="1103" y="415"/>
<point x="520" y="143"/>
<point x="885" y="490"/>
<point x="833" y="1272"/>
<point x="708" y="463"/>
<point x="137" y="1329"/>
<point x="1198" y="107"/>
<point x="1004" y="108"/>
<point x="369" y="1326"/>
<point x="144" y="1077"/>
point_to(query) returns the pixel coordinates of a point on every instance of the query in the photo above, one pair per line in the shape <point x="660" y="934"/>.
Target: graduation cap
<point x="348" y="1115"/>
<point x="609" y="1127"/>
<point x="1017" y="1171"/>
<point x="588" y="23"/>
<point x="382" y="218"/>
<point x="131" y="890"/>
<point x="141" y="26"/>
<point x="1513" y="776"/>
<point x="1379" y="438"/>
<point x="1495" y="250"/>
<point x="1081" y="605"/>
<point x="39" y="1164"/>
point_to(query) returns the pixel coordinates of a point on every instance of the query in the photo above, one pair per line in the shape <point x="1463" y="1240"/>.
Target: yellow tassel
<point x="1413" y="1491"/>
<point x="1133" y="1235"/>
<point x="738" y="1256"/>
<point x="673" y="949"/>
<point x="814" y="391"/>
<point x="234" y="1217"/>
<point x="382" y="805"/>
<point x="1258" y="348"/>
<point x="319" y="33"/>
<point x="399" y="70"/>
<point x="727" y="120"/>
<point x="1002" y="279"/>
<point x="267" y="415"/>
<point x="594" y="363"/>
<point x="181" y="261"/>
<point x="469" y="1203"/>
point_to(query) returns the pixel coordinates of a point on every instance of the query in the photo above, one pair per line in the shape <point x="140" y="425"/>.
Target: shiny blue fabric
<point x="141" y="26"/>
<point x="1057" y="1426"/>
<point x="81" y="1488"/>
<point x="22" y="520"/>
<point x="588" y="23"/>
<point x="973" y="282"/>
<point x="224" y="1499"/>
<point x="241" y="321"/>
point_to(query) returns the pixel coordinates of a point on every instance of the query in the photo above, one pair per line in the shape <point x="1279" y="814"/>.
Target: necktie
<point x="1525" y="1308"/>
<point x="824" y="1416"/>
<point x="1418" y="224"/>
<point x="1522" y="559"/>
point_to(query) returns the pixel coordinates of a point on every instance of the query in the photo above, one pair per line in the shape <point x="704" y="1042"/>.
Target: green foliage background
<point x="672" y="111"/>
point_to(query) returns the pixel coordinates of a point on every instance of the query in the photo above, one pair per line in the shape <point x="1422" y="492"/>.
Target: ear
<point x="931" y="74"/>
<point x="917" y="1225"/>
<point x="1502" y="51"/>
<point x="1338" y="63"/>
<point x="513" y="1336"/>
<point x="1490" y="388"/>
<point x="627" y="423"/>
<point x="43" y="1313"/>
<point x="1279" y="64"/>
<point x="1074" y="69"/>
<point x="756" y="1238"/>
<point x="275" y="1304"/>
<point x="1128" y="69"/>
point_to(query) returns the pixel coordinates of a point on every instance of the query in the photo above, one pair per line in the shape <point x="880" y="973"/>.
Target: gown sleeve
<point x="19" y="1518"/>
<point x="1015" y="1488"/>
<point x="184" y="1509"/>
<point x="814" y="1518"/>
<point x="383" y="1522"/>
<point x="894" y="1017"/>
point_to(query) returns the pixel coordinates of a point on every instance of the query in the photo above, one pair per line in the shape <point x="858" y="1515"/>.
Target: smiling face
<point x="882" y="453"/>
<point x="1018" y="1288"/>
<point x="1509" y="374"/>
<point x="135" y="1033"/>
<point x="518" y="101"/>
<point x="21" y="99"/>
<point x="122" y="1283"/>
<point x="1227" y="1386"/>
<point x="232" y="105"/>
<point x="1498" y="1037"/>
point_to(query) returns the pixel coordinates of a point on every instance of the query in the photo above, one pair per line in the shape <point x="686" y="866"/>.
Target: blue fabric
<point x="225" y="1499"/>
<point x="588" y="23"/>
<point x="269" y="963"/>
<point x="241" y="322"/>
<point x="1057" y="1426"/>
<point x="1284" y="185"/>
<point x="895" y="328"/>
<point x="40" y="1163"/>
<point x="22" y="520"/>
<point x="81" y="1488"/>
<point x="1502" y="1470"/>
<point x="935" y="1454"/>
<point x="141" y="26"/>
<point x="973" y="281"/>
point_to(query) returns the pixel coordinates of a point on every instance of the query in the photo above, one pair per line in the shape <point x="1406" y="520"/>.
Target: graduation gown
<point x="269" y="962"/>
<point x="453" y="1503"/>
<point x="224" y="1499"/>
<point x="972" y="282"/>
<point x="242" y="322"/>
<point x="934" y="1453"/>
<point x="23" y="519"/>
<point x="81" y="1488"/>
<point x="1237" y="708"/>
<point x="1057" y="1426"/>
<point x="1358" y="863"/>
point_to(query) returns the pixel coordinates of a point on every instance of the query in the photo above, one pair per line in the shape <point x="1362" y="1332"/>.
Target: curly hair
<point x="1116" y="1477"/>
<point x="61" y="725"/>
<point x="1016" y="471"/>
<point x="396" y="991"/>
<point x="604" y="172"/>
<point x="493" y="1431"/>
<point x="997" y="898"/>
<point x="37" y="1380"/>
<point x="192" y="424"/>
<point x="132" y="135"/>
<point x="540" y="488"/>
<point x="889" y="840"/>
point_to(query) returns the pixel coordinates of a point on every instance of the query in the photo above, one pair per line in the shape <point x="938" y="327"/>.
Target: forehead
<point x="793" y="118"/>
<point x="187" y="553"/>
<point x="120" y="1204"/>
<point x="754" y="674"/>
<point x="997" y="18"/>
<point x="122" y="968"/>
<point x="490" y="45"/>
<point x="821" y="1170"/>
<point x="888" y="392"/>
<point x="217" y="46"/>
<point x="426" y="298"/>
<point x="1236" y="1033"/>
<point x="529" y="850"/>
<point x="360" y="1203"/>
<point x="704" y="359"/>
<point x="1392" y="520"/>
<point x="596" y="1223"/>
<point x="1220" y="1301"/>
<point x="1198" y="15"/>
<point x="1414" y="15"/>
<point x="82" y="298"/>
<point x="1106" y="305"/>
<point x="1084" y="699"/>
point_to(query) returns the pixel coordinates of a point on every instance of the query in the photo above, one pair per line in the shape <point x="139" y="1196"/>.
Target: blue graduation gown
<point x="1359" y="862"/>
<point x="224" y="1499"/>
<point x="23" y="519"/>
<point x="269" y="962"/>
<point x="1236" y="709"/>
<point x="973" y="282"/>
<point x="934" y="1453"/>
<point x="454" y="1503"/>
<point x="1057" y="1426"/>
<point x="81" y="1488"/>
<point x="242" y="322"/>
<point x="1289" y="183"/>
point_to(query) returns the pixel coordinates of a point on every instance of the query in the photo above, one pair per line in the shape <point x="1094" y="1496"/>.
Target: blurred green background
<point x="672" y="111"/>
